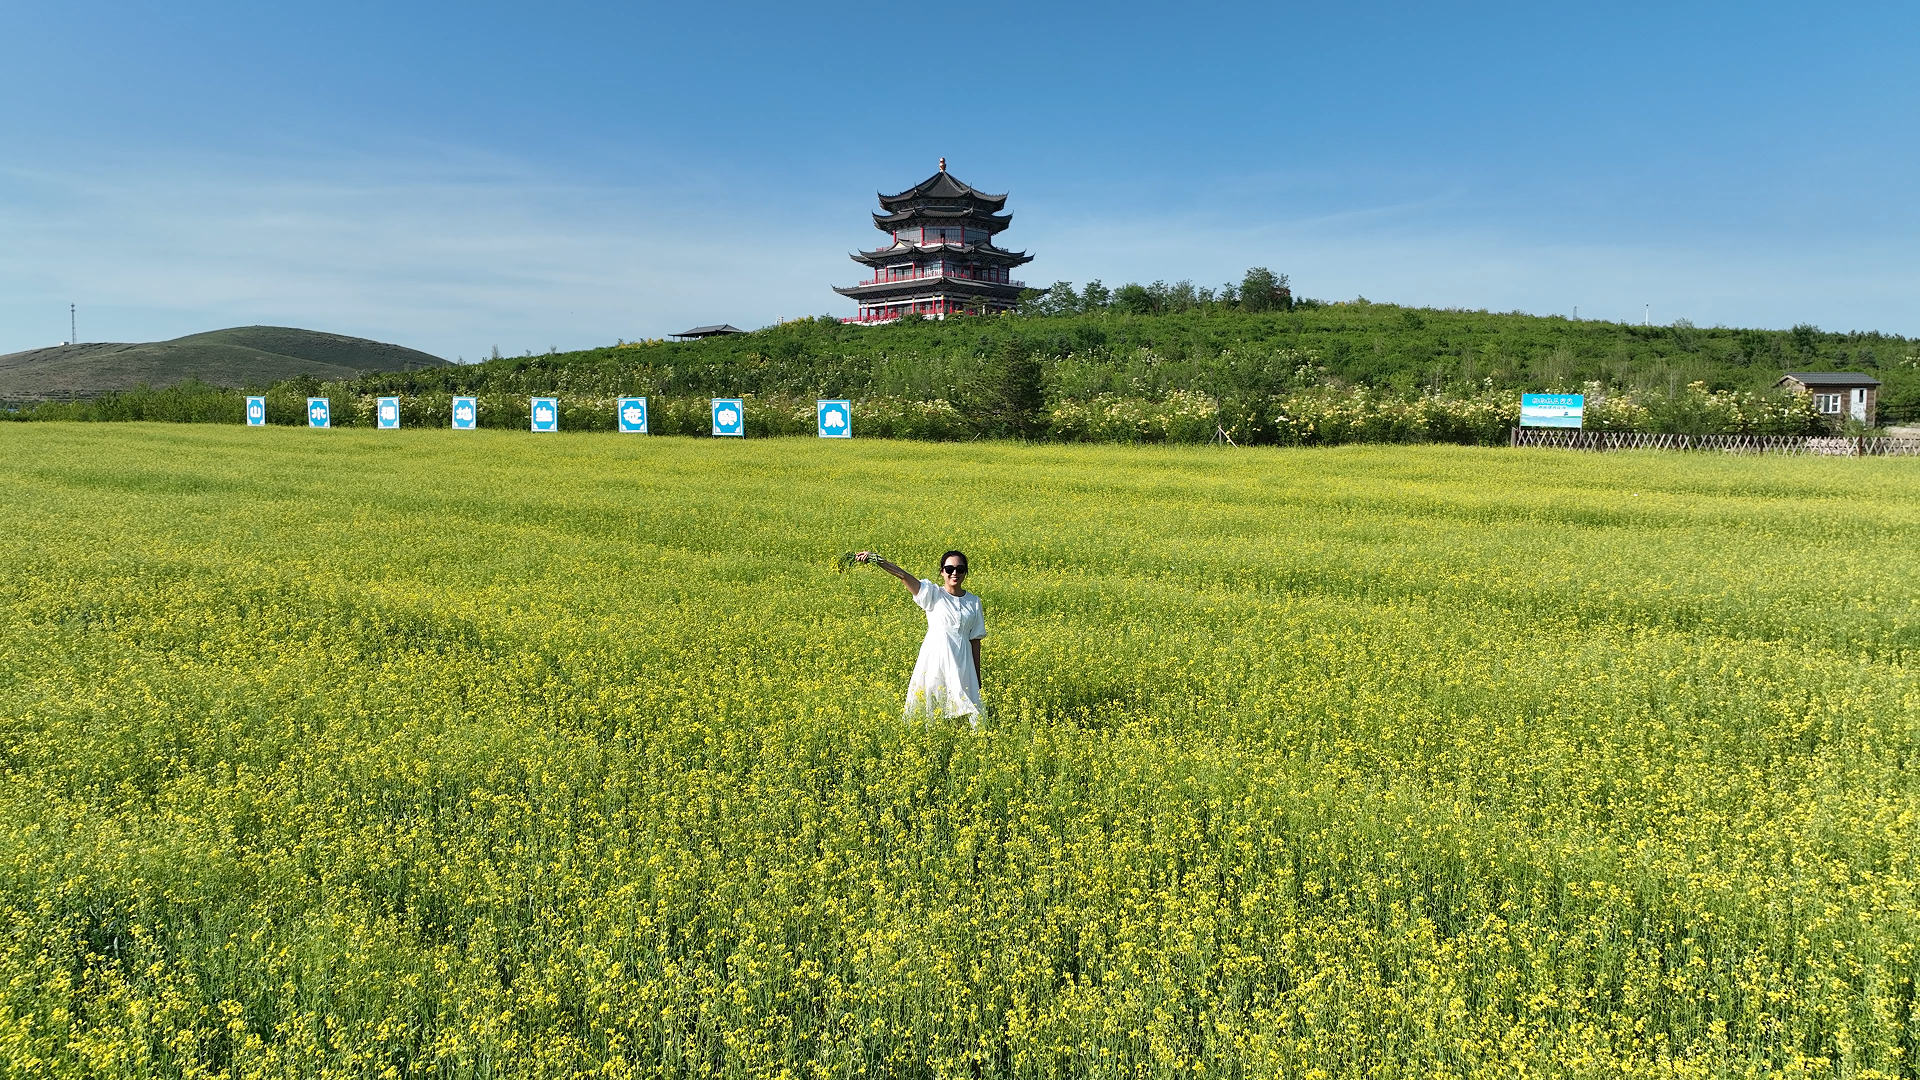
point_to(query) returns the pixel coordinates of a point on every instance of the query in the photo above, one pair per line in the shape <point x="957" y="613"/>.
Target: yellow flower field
<point x="488" y="754"/>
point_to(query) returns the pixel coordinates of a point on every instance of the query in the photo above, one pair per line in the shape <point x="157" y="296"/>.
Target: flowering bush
<point x="1331" y="418"/>
<point x="907" y="418"/>
<point x="1696" y="410"/>
<point x="1181" y="416"/>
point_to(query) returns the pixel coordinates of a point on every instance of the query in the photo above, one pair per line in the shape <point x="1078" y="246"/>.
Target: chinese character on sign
<point x="633" y="414"/>
<point x="1552" y="410"/>
<point x="729" y="417"/>
<point x="546" y="414"/>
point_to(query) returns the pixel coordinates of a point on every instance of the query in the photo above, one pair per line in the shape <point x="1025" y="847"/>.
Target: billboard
<point x="1552" y="410"/>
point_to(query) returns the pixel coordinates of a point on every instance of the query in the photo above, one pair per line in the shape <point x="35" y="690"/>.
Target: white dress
<point x="944" y="680"/>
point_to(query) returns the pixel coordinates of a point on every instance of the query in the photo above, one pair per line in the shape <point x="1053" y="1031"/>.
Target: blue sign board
<point x="318" y="415"/>
<point x="256" y="411"/>
<point x="633" y="415"/>
<point x="386" y="412"/>
<point x="546" y="414"/>
<point x="729" y="417"/>
<point x="835" y="419"/>
<point x="1552" y="410"/>
<point x="465" y="412"/>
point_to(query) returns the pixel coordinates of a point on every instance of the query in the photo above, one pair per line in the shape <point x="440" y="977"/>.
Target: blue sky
<point x="460" y="177"/>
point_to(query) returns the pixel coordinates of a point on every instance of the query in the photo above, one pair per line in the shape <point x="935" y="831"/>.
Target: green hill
<point x="239" y="357"/>
<point x="1214" y="349"/>
<point x="1155" y="355"/>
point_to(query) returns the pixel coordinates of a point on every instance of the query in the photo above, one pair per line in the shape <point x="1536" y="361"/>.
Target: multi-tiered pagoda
<point x="942" y="260"/>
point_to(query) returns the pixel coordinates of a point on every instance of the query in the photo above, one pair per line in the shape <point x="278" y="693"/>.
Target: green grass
<point x="492" y="754"/>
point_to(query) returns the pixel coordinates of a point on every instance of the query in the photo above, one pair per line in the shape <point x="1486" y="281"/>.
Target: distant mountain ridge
<point x="240" y="356"/>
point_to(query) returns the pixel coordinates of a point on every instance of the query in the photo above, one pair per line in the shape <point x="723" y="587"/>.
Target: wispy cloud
<point x="456" y="252"/>
<point x="449" y="256"/>
<point x="1451" y="252"/>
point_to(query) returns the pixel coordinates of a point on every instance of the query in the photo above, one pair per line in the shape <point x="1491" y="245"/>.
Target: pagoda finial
<point x="943" y="164"/>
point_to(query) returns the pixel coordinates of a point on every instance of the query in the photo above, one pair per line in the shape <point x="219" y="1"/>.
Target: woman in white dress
<point x="946" y="678"/>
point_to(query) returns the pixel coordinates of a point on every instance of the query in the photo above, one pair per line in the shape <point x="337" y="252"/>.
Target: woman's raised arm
<point x="912" y="583"/>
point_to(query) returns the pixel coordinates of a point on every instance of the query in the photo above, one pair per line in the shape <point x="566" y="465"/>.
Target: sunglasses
<point x="953" y="568"/>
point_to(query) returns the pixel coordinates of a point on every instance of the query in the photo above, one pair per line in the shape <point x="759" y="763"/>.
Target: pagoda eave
<point x="909" y="200"/>
<point x="915" y="287"/>
<point x="986" y="253"/>
<point x="985" y="219"/>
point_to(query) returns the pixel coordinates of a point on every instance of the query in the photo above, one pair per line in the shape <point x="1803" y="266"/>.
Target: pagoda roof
<point x="971" y="215"/>
<point x="984" y="252"/>
<point x="940" y="187"/>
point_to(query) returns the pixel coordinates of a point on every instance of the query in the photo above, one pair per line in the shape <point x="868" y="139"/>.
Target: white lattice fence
<point x="1816" y="445"/>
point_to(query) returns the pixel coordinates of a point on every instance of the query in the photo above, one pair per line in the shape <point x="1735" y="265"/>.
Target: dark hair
<point x="951" y="554"/>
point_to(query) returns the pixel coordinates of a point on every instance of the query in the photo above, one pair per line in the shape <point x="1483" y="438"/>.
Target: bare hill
<point x="242" y="356"/>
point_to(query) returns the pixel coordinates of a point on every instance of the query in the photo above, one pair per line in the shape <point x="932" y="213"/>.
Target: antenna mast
<point x="73" y="321"/>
